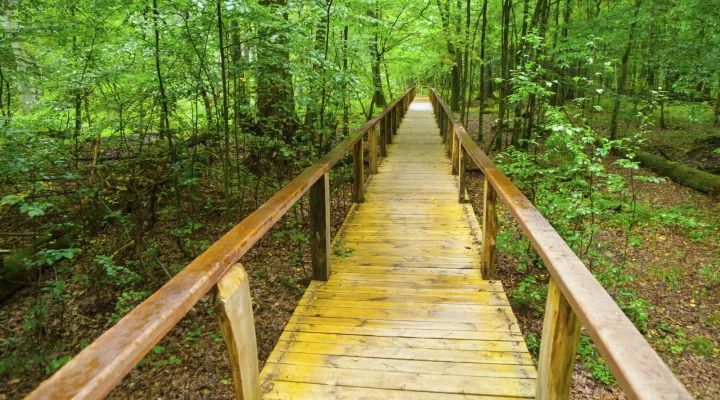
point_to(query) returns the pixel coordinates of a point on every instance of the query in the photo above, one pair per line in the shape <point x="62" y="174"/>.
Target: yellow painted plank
<point x="401" y="332"/>
<point x="398" y="342"/>
<point x="407" y="353"/>
<point x="306" y="391"/>
<point x="400" y="380"/>
<point x="415" y="366"/>
<point x="410" y="286"/>
<point x="493" y="316"/>
<point x="408" y="271"/>
<point x="487" y="326"/>
<point x="313" y="301"/>
<point x="458" y="280"/>
<point x="474" y="299"/>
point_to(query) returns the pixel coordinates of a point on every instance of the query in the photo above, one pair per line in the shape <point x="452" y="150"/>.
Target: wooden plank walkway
<point x="406" y="313"/>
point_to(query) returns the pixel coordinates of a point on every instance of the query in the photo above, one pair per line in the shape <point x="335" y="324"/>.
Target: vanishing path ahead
<point x="405" y="313"/>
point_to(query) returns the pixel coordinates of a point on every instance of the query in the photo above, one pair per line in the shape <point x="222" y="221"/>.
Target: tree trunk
<point x="624" y="72"/>
<point x="466" y="61"/>
<point x="346" y="104"/>
<point x="376" y="59"/>
<point x="483" y="87"/>
<point x="225" y="122"/>
<point x="164" y="113"/>
<point x="717" y="106"/>
<point x="275" y="99"/>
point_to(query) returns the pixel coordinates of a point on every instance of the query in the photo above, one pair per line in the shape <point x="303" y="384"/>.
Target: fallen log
<point x="680" y="173"/>
<point x="19" y="268"/>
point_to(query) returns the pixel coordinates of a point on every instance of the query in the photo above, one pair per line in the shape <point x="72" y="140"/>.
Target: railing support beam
<point x="461" y="173"/>
<point x="358" y="173"/>
<point x="561" y="331"/>
<point x="234" y="309"/>
<point x="489" y="232"/>
<point x="383" y="137"/>
<point x="455" y="154"/>
<point x="372" y="149"/>
<point x="320" y="228"/>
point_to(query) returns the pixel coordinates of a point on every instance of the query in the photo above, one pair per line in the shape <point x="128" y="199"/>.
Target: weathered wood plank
<point x="234" y="310"/>
<point x="561" y="332"/>
<point x="489" y="230"/>
<point x="414" y="366"/>
<point x="305" y="391"/>
<point x="401" y="380"/>
<point x="320" y="228"/>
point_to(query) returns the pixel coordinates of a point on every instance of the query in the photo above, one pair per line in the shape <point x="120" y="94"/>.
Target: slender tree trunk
<point x="717" y="106"/>
<point x="164" y="113"/>
<point x="376" y="58"/>
<point x="225" y="122"/>
<point x="624" y="71"/>
<point x="483" y="87"/>
<point x="466" y="61"/>
<point x="324" y="67"/>
<point x="504" y="66"/>
<point x="346" y="104"/>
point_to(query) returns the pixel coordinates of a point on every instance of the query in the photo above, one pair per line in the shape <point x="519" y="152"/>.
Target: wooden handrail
<point x="640" y="372"/>
<point x="96" y="370"/>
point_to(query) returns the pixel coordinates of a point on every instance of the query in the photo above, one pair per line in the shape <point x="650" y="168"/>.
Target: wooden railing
<point x="101" y="366"/>
<point x="574" y="298"/>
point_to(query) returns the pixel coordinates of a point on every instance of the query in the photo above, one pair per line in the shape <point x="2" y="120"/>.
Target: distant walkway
<point x="406" y="313"/>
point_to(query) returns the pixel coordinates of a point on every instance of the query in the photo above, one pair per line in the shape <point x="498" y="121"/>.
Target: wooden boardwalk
<point x="405" y="313"/>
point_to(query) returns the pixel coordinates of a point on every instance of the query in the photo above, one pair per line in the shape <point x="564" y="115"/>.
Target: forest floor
<point x="674" y="268"/>
<point x="191" y="360"/>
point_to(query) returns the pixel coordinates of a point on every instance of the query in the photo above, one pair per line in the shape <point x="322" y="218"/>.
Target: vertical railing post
<point x="388" y="127"/>
<point x="489" y="232"/>
<point x="234" y="310"/>
<point x="442" y="125"/>
<point x="461" y="173"/>
<point x="320" y="228"/>
<point x="393" y="120"/>
<point x="398" y="116"/>
<point x="454" y="157"/>
<point x="372" y="148"/>
<point x="561" y="331"/>
<point x="358" y="173"/>
<point x="449" y="133"/>
<point x="383" y="137"/>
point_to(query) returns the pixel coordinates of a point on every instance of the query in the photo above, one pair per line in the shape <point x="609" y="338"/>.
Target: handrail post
<point x="372" y="148"/>
<point x="234" y="310"/>
<point x="461" y="173"/>
<point x="358" y="173"/>
<point x="455" y="154"/>
<point x="393" y="121"/>
<point x="320" y="228"/>
<point x="383" y="137"/>
<point x="441" y="122"/>
<point x="388" y="127"/>
<point x="489" y="232"/>
<point x="561" y="331"/>
<point x="398" y="116"/>
<point x="449" y="132"/>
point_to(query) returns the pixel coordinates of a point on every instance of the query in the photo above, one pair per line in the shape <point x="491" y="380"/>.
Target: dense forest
<point x="134" y="134"/>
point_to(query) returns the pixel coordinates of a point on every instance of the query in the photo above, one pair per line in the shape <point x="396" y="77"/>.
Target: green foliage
<point x="126" y="302"/>
<point x="710" y="274"/>
<point x="594" y="364"/>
